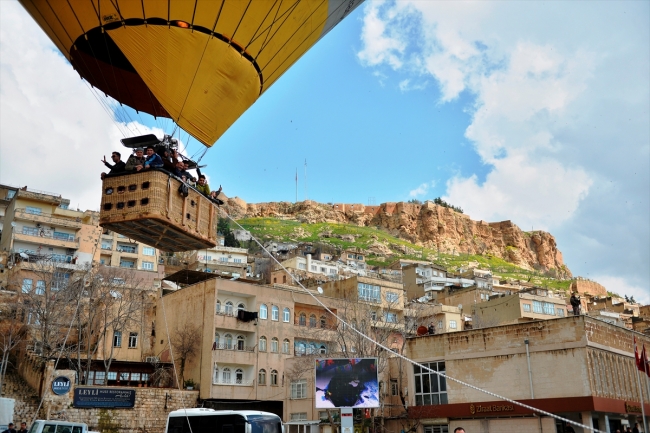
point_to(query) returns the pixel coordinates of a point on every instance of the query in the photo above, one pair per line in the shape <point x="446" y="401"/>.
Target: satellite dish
<point x="320" y="290"/>
<point x="24" y="256"/>
<point x="13" y="224"/>
<point x="460" y="306"/>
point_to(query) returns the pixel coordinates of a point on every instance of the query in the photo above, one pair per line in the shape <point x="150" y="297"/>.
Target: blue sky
<point x="537" y="112"/>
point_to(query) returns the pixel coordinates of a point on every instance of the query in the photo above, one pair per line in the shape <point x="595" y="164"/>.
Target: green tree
<point x="223" y="227"/>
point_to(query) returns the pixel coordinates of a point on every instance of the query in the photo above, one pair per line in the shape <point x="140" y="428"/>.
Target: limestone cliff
<point x="427" y="225"/>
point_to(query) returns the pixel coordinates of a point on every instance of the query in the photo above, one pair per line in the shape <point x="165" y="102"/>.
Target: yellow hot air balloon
<point x="201" y="63"/>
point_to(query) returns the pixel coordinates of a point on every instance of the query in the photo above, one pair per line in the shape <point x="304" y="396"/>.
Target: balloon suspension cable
<point x="399" y="355"/>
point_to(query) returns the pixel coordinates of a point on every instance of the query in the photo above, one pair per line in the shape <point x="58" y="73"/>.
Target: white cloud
<point x="559" y="115"/>
<point x="407" y="86"/>
<point x="422" y="189"/>
<point x="381" y="45"/>
<point x="53" y="132"/>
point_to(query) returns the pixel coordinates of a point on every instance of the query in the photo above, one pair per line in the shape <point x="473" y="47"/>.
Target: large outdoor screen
<point x="347" y="382"/>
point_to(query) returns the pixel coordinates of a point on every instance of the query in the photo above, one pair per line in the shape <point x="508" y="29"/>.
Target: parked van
<point x="41" y="426"/>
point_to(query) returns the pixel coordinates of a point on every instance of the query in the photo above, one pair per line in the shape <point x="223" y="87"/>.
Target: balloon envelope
<point x="201" y="63"/>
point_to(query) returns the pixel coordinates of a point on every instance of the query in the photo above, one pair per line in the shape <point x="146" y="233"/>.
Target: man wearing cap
<point x="153" y="160"/>
<point x="11" y="428"/>
<point x="136" y="162"/>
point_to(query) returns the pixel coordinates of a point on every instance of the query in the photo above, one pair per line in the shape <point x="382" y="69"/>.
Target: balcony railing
<point x="237" y="382"/>
<point x="233" y="347"/>
<point x="22" y="213"/>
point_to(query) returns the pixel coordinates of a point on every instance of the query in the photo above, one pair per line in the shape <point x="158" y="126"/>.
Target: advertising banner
<point x="347" y="382"/>
<point x="104" y="397"/>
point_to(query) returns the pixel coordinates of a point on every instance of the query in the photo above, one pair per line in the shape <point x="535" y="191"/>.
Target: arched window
<point x="215" y="374"/>
<point x="284" y="279"/>
<point x="241" y="342"/>
<point x="312" y="348"/>
<point x="323" y="349"/>
<point x="274" y="377"/>
<point x="312" y="321"/>
<point x="301" y="349"/>
<point x="225" y="375"/>
<point x="228" y="307"/>
<point x="240" y="306"/>
<point x="275" y="313"/>
<point x="323" y="322"/>
<point x="262" y="344"/>
<point x="285" y="345"/>
<point x="263" y="311"/>
<point x="275" y="343"/>
<point x="239" y="376"/>
<point x="218" y="309"/>
<point x="286" y="315"/>
<point x="216" y="340"/>
<point x="228" y="341"/>
<point x="261" y="377"/>
<point x="303" y="319"/>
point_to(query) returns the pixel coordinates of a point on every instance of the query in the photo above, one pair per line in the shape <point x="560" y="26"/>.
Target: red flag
<point x="642" y="360"/>
<point x="637" y="358"/>
<point x="645" y="360"/>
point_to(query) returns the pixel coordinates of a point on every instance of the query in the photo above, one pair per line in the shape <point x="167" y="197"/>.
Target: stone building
<point x="532" y="304"/>
<point x="577" y="367"/>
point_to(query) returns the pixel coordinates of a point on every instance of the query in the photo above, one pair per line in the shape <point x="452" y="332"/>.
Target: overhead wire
<point x="399" y="355"/>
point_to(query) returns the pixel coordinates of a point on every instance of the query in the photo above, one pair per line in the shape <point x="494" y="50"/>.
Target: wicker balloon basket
<point x="148" y="207"/>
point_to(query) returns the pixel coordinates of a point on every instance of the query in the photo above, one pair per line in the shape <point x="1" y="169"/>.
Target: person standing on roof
<point x="575" y="303"/>
<point x="136" y="162"/>
<point x="153" y="160"/>
<point x="118" y="165"/>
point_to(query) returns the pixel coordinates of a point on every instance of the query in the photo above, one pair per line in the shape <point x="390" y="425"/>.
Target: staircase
<point x="26" y="398"/>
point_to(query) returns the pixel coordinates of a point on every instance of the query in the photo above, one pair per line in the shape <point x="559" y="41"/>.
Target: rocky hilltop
<point x="428" y="225"/>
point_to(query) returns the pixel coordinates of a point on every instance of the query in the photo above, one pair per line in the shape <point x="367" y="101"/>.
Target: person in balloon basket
<point x="136" y="162"/>
<point x="153" y="160"/>
<point x="118" y="165"/>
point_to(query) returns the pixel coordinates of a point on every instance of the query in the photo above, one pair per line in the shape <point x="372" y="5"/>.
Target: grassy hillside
<point x="293" y="231"/>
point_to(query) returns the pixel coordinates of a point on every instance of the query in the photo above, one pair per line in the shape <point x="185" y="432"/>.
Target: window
<point x="392" y="297"/>
<point x="263" y="311"/>
<point x="390" y="317"/>
<point x="229" y="307"/>
<point x="215" y="373"/>
<point x="369" y="292"/>
<point x="322" y="350"/>
<point x="33" y="210"/>
<point x="226" y="375"/>
<point x="228" y="340"/>
<point x="107" y="245"/>
<point x="60" y="280"/>
<point x="239" y="376"/>
<point x="286" y="315"/>
<point x="560" y="311"/>
<point x="436" y="429"/>
<point x="127" y="264"/>
<point x="350" y="256"/>
<point x="261" y="377"/>
<point x="148" y="251"/>
<point x="275" y="313"/>
<point x="312" y="321"/>
<point x="302" y="266"/>
<point x="549" y="308"/>
<point x="241" y="342"/>
<point x="303" y="319"/>
<point x="429" y="387"/>
<point x="262" y="344"/>
<point x="216" y="339"/>
<point x="394" y="387"/>
<point x="323" y="322"/>
<point x="27" y="285"/>
<point x="127" y="248"/>
<point x="452" y="324"/>
<point x="147" y="266"/>
<point x="323" y="269"/>
<point x="218" y="307"/>
<point x="333" y="271"/>
<point x="10" y="194"/>
<point x="285" y="346"/>
<point x="40" y="287"/>
<point x="373" y="315"/>
<point x="274" y="377"/>
<point x="300" y="416"/>
<point x="133" y="340"/>
<point x="275" y="343"/>
<point x="62" y="236"/>
<point x="236" y="260"/>
<point x="240" y="306"/>
<point x="299" y="388"/>
<point x="300" y="349"/>
<point x="117" y="339"/>
<point x="526" y="308"/>
<point x="537" y="307"/>
<point x="439" y="324"/>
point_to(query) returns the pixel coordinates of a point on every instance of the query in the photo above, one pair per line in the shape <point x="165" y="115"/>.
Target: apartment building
<point x="304" y="268"/>
<point x="524" y="306"/>
<point x="353" y="258"/>
<point x="579" y="368"/>
<point x="119" y="251"/>
<point x="247" y="332"/>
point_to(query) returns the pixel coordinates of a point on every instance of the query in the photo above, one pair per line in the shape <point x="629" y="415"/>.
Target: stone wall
<point x="586" y="286"/>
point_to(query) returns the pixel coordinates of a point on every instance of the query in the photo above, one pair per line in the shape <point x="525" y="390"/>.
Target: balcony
<point x="221" y="353"/>
<point x="228" y="320"/>
<point x="233" y="382"/>
<point x="49" y="220"/>
<point x="47" y="238"/>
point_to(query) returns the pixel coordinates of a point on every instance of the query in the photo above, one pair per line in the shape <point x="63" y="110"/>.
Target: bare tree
<point x="13" y="332"/>
<point x="185" y="342"/>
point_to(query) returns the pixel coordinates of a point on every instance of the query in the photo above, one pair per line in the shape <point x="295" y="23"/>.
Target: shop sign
<point x="632" y="408"/>
<point x="490" y="408"/>
<point x="61" y="385"/>
<point x="104" y="397"/>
